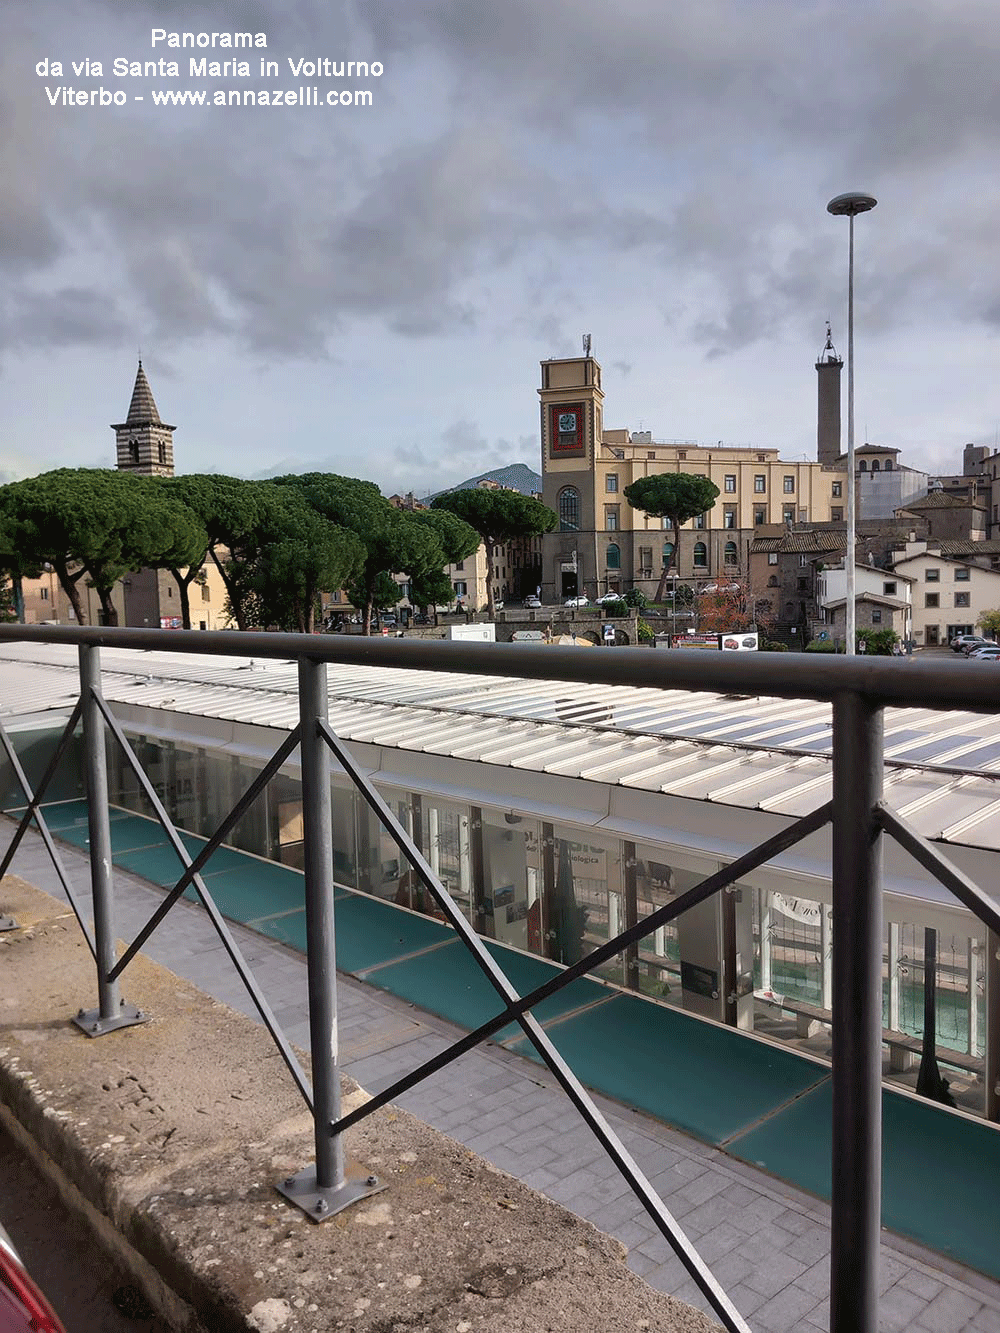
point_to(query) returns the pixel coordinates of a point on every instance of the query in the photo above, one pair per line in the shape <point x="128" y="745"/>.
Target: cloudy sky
<point x="369" y="290"/>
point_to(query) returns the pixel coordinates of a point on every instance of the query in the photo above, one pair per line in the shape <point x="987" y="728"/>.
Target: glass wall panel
<point x="659" y="952"/>
<point x="584" y="898"/>
<point x="510" y="847"/>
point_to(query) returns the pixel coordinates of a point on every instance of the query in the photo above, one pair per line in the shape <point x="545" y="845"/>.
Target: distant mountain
<point x="515" y="477"/>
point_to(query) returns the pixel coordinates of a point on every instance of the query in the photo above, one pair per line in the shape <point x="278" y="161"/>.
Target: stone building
<point x="949" y="517"/>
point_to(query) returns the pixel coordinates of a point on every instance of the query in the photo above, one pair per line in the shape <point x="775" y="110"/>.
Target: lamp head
<point x="851" y="204"/>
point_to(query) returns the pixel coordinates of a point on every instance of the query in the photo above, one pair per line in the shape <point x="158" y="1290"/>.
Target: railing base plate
<point x="319" y="1204"/>
<point x="91" y="1022"/>
<point x="7" y="923"/>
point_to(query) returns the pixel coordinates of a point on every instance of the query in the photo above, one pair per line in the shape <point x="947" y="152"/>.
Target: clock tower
<point x="572" y="426"/>
<point x="145" y="443"/>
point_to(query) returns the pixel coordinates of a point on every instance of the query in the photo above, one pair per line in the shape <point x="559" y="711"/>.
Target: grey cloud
<point x="519" y="163"/>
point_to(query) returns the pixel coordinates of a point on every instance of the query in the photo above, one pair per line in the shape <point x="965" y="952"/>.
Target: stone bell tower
<point x="145" y="443"/>
<point x="828" y="368"/>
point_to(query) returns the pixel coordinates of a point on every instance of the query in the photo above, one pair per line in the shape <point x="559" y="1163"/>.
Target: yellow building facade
<point x="602" y="544"/>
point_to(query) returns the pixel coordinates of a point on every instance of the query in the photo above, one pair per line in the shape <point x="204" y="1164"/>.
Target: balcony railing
<point x="858" y="689"/>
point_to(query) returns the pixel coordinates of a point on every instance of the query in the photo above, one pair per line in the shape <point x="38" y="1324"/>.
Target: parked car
<point x="533" y="601"/>
<point x="610" y="597"/>
<point x="985" y="650"/>
<point x="23" y="1308"/>
<point x="577" y="601"/>
<point x="970" y="647"/>
<point x="958" y="643"/>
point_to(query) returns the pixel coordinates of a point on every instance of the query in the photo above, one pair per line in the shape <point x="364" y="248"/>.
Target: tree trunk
<point x="182" y="590"/>
<point x="70" y="586"/>
<point x="109" y="613"/>
<point x="490" y="549"/>
<point x="235" y="601"/>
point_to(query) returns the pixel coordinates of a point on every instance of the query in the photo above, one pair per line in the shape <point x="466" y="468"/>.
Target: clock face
<point x="567" y="423"/>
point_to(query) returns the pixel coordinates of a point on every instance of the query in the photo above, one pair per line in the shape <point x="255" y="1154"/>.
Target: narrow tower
<point x="828" y="368"/>
<point x="145" y="443"/>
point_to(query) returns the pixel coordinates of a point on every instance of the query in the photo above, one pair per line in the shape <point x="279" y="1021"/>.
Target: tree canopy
<point x="499" y="516"/>
<point x="98" y="524"/>
<point x="291" y="556"/>
<point x="676" y="496"/>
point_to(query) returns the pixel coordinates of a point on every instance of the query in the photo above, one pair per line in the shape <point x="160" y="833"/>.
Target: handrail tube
<point x="886" y="680"/>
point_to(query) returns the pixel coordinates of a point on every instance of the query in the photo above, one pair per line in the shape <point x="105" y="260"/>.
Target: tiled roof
<point x="963" y="546"/>
<point x="812" y="542"/>
<point x="878" y="598"/>
<point x="938" y="500"/>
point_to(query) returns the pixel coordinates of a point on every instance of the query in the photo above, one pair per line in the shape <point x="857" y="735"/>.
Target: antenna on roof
<point x="586" y="344"/>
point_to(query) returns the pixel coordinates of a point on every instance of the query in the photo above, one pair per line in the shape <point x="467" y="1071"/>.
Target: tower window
<point x="163" y="453"/>
<point x="569" y="509"/>
<point x="133" y="451"/>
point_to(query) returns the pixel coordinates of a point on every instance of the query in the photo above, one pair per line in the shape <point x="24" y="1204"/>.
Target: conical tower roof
<point x="142" y="409"/>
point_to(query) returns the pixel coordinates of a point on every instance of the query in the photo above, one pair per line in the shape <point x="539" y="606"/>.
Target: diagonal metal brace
<point x="34" y="811"/>
<point x="575" y="1091"/>
<point x="214" y="915"/>
<point x="968" y="893"/>
<point x="215" y="841"/>
<point x="749" y="861"/>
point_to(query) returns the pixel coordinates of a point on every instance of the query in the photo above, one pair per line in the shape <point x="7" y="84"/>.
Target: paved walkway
<point x="766" y="1242"/>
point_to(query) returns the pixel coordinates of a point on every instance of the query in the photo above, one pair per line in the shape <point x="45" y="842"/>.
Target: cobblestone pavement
<point x="766" y="1242"/>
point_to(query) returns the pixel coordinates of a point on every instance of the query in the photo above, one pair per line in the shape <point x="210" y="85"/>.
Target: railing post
<point x="324" y="1189"/>
<point x="112" y="1011"/>
<point x="991" y="1047"/>
<point x="857" y="1015"/>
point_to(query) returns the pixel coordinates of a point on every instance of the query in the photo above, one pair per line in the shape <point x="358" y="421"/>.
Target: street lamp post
<point x="850" y="205"/>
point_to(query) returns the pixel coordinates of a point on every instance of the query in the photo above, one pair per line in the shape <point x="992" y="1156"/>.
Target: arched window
<point x="773" y="581"/>
<point x="874" y="464"/>
<point x="731" y="555"/>
<point x="668" y="553"/>
<point x="700" y="555"/>
<point x="614" y="558"/>
<point x="133" y="451"/>
<point x="569" y="509"/>
<point x="863" y="466"/>
<point x="888" y="465"/>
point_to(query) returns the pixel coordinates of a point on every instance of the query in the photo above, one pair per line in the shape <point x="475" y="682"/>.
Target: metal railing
<point x="859" y="690"/>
